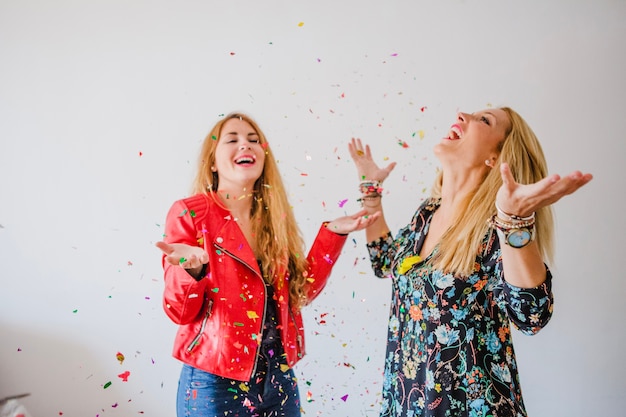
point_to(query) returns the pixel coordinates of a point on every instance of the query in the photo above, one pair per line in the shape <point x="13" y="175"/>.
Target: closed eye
<point x="485" y="120"/>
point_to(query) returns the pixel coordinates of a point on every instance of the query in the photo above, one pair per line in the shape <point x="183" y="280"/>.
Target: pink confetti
<point x="124" y="376"/>
<point x="344" y="398"/>
<point x="343" y="202"/>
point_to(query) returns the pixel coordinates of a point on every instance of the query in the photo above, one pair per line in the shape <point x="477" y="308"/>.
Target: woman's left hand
<point x="358" y="221"/>
<point x="523" y="200"/>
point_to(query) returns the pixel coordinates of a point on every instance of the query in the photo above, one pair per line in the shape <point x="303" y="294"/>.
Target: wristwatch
<point x="517" y="238"/>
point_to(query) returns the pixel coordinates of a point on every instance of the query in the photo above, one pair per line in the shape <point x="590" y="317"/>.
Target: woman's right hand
<point x="365" y="165"/>
<point x="186" y="256"/>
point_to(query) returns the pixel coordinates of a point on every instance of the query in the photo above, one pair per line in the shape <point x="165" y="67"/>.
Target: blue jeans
<point x="271" y="392"/>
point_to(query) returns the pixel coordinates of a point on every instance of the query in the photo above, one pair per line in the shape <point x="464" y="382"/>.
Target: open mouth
<point x="455" y="132"/>
<point x="245" y="160"/>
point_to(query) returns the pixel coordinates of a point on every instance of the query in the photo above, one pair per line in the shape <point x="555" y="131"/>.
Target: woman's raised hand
<point x="365" y="165"/>
<point x="522" y="200"/>
<point x="187" y="256"/>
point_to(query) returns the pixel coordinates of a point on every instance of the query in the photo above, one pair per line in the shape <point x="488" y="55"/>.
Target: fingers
<point x="165" y="248"/>
<point x="389" y="168"/>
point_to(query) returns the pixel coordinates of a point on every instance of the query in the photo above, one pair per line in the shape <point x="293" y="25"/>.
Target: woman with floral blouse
<point x="469" y="264"/>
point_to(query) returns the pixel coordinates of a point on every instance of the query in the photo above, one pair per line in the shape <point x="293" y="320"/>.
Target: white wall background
<point x="104" y="104"/>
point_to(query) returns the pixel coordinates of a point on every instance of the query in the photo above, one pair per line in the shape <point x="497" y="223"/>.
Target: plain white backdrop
<point x="104" y="105"/>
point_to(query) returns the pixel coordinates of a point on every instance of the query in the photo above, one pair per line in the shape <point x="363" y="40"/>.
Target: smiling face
<point x="473" y="139"/>
<point x="239" y="156"/>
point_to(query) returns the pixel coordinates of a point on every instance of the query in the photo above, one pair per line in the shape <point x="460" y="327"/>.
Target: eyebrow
<point x="249" y="134"/>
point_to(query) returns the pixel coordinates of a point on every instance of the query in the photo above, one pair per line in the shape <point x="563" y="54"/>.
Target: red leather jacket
<point x="221" y="316"/>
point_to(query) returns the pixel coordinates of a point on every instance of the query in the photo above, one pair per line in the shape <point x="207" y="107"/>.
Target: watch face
<point x="519" y="238"/>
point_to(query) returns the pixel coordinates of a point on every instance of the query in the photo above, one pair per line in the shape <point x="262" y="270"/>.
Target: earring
<point x="213" y="168"/>
<point x="489" y="163"/>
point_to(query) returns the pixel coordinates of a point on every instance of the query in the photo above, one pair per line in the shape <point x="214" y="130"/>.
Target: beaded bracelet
<point x="368" y="187"/>
<point x="498" y="223"/>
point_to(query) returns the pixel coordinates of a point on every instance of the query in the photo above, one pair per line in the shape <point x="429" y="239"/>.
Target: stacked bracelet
<point x="513" y="217"/>
<point x="371" y="190"/>
<point x="514" y="233"/>
<point x="369" y="187"/>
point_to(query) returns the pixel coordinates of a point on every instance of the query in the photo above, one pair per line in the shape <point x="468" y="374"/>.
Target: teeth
<point x="455" y="133"/>
<point x="244" y="160"/>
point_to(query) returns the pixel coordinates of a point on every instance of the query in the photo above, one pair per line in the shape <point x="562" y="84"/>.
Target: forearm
<point x="523" y="267"/>
<point x="379" y="227"/>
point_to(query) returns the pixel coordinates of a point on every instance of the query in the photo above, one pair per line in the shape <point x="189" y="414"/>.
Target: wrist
<point x="198" y="272"/>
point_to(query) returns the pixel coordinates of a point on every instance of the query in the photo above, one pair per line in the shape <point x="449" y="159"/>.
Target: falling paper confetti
<point x="120" y="357"/>
<point x="407" y="263"/>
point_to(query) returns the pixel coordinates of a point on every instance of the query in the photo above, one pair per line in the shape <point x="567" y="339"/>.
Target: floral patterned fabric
<point x="449" y="348"/>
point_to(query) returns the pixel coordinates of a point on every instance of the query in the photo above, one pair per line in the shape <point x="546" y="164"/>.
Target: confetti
<point x="344" y="398"/>
<point x="124" y="376"/>
<point x="107" y="385"/>
<point x="300" y="24"/>
<point x="403" y="143"/>
<point x="343" y="202"/>
<point x="407" y="263"/>
<point x="120" y="357"/>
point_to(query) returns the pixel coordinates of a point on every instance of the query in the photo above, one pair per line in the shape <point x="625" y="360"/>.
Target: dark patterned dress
<point x="449" y="347"/>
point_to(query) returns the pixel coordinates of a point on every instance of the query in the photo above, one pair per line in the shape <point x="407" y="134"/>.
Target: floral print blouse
<point x="449" y="347"/>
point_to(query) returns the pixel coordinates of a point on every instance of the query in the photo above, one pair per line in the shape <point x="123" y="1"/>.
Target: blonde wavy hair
<point x="461" y="243"/>
<point x="273" y="223"/>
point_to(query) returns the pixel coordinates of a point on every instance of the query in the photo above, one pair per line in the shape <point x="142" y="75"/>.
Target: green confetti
<point x="215" y="290"/>
<point x="238" y="324"/>
<point x="192" y="213"/>
<point x="213" y="137"/>
<point x="182" y="261"/>
<point x="107" y="385"/>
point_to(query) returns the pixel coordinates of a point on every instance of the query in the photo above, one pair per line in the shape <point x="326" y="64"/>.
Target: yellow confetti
<point x="252" y="314"/>
<point x="300" y="24"/>
<point x="284" y="368"/>
<point x="407" y="263"/>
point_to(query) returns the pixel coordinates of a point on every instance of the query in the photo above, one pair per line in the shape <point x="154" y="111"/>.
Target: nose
<point x="243" y="147"/>
<point x="461" y="117"/>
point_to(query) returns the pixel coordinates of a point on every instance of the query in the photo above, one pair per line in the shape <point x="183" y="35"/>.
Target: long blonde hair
<point x="460" y="244"/>
<point x="273" y="223"/>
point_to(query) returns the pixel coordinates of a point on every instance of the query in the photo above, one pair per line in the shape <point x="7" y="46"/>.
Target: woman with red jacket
<point x="236" y="277"/>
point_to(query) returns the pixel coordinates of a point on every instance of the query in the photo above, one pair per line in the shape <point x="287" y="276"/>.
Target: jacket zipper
<point x="258" y="346"/>
<point x="195" y="340"/>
